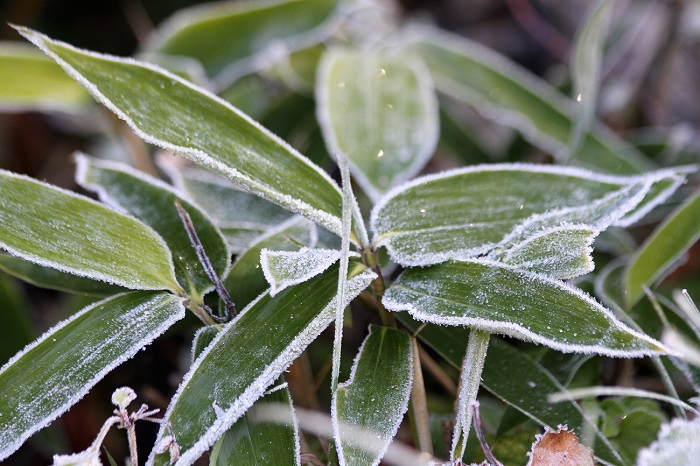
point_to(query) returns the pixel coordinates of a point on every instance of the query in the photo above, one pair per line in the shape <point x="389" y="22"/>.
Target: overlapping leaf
<point x="171" y="113"/>
<point x="247" y="356"/>
<point x="53" y="373"/>
<point x="30" y="81"/>
<point x="227" y="38"/>
<point x="369" y="407"/>
<point x="380" y="111"/>
<point x="283" y="269"/>
<point x="501" y="299"/>
<point x="153" y="202"/>
<point x="496" y="86"/>
<point x="59" y="229"/>
<point x="467" y="212"/>
<point x="663" y="248"/>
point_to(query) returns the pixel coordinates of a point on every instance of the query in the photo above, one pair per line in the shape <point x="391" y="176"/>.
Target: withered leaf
<point x="560" y="448"/>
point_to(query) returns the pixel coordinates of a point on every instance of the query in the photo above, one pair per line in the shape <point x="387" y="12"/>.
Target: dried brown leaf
<point x="560" y="448"/>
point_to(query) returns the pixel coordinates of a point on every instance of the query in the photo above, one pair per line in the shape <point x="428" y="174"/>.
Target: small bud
<point x="122" y="397"/>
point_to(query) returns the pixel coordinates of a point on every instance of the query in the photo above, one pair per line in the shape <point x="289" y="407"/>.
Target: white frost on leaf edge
<point x="428" y="98"/>
<point x="157" y="239"/>
<point x="382" y="445"/>
<point x="165" y="325"/>
<point x="518" y="331"/>
<point x="293" y="267"/>
<point x="677" y="443"/>
<point x="200" y="157"/>
<point x="257" y="388"/>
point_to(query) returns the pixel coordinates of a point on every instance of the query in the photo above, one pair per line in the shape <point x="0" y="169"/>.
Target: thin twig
<point x="480" y="435"/>
<point x="204" y="260"/>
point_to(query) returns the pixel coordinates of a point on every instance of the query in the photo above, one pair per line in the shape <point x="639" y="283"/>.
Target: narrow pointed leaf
<point x="380" y="111"/>
<point x="47" y="277"/>
<point x="563" y="252"/>
<point x="466" y="212"/>
<point x="53" y="373"/>
<point x="247" y="356"/>
<point x="241" y="216"/>
<point x="30" y="81"/>
<point x="255" y="442"/>
<point x="228" y="37"/>
<point x="507" y="370"/>
<point x="507" y="93"/>
<point x="246" y="280"/>
<point x="171" y="113"/>
<point x="663" y="248"/>
<point x="153" y="202"/>
<point x="55" y="228"/>
<point x="375" y="398"/>
<point x="283" y="269"/>
<point x="502" y="299"/>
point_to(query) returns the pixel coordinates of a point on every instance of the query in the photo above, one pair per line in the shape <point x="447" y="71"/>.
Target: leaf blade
<point x="82" y="237"/>
<point x="207" y="130"/>
<point x="51" y="374"/>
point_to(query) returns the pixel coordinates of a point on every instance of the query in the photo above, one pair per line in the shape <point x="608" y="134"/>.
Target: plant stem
<point x="419" y="404"/>
<point x="369" y="257"/>
<point x="471" y="380"/>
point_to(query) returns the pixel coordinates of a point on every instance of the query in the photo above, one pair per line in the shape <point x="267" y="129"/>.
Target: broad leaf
<point x="53" y="373"/>
<point x="30" y="81"/>
<point x="506" y="371"/>
<point x="169" y="112"/>
<point x="510" y="95"/>
<point x="501" y="299"/>
<point x="241" y="216"/>
<point x="247" y="356"/>
<point x="230" y="38"/>
<point x="283" y="269"/>
<point x="369" y="407"/>
<point x="380" y="111"/>
<point x="467" y="212"/>
<point x="663" y="248"/>
<point x="563" y="252"/>
<point x="153" y="202"/>
<point x="677" y="444"/>
<point x="246" y="280"/>
<point x="255" y="442"/>
<point x="46" y="277"/>
<point x="56" y="228"/>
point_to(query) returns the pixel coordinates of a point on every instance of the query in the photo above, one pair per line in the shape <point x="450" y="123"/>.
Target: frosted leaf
<point x="468" y="212"/>
<point x="502" y="299"/>
<point x="265" y="338"/>
<point x="283" y="269"/>
<point x="374" y="399"/>
<point x="85" y="458"/>
<point x="50" y="375"/>
<point x="559" y="448"/>
<point x="677" y="444"/>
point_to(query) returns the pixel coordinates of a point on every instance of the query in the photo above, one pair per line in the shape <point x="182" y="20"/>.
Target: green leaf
<point x="46" y="277"/>
<point x="631" y="424"/>
<point x="54" y="372"/>
<point x="231" y="38"/>
<point x="663" y="248"/>
<point x="380" y="111"/>
<point x="507" y="371"/>
<point x="563" y="252"/>
<point x="586" y="68"/>
<point x="248" y="355"/>
<point x="171" y="113"/>
<point x="59" y="229"/>
<point x="17" y="327"/>
<point x="30" y="81"/>
<point x="467" y="212"/>
<point x="255" y="442"/>
<point x="153" y="202"/>
<point x="677" y="444"/>
<point x="499" y="88"/>
<point x="369" y="407"/>
<point x="202" y="338"/>
<point x="241" y="216"/>
<point x="501" y="299"/>
<point x="246" y="280"/>
<point x="283" y="269"/>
